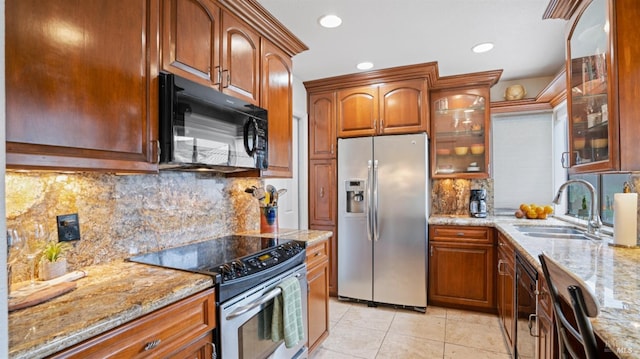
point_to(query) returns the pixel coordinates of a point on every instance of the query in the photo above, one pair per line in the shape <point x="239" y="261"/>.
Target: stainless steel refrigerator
<point x="383" y="201"/>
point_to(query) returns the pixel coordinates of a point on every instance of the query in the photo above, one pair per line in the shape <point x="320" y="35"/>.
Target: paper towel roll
<point x="625" y="219"/>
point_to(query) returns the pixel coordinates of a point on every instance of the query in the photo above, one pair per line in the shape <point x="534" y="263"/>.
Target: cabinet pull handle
<point x="317" y="254"/>
<point x="563" y="159"/>
<point x="460" y="234"/>
<point x="321" y="192"/>
<point x="332" y="148"/>
<point x="431" y="251"/>
<point x="152" y="344"/>
<point x="530" y="325"/>
<point x="228" y="79"/>
<point x="157" y="154"/>
<point x="214" y="355"/>
<point x="500" y="261"/>
<point x="218" y="75"/>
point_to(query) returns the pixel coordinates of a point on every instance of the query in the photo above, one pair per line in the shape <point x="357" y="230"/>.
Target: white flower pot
<point x="50" y="270"/>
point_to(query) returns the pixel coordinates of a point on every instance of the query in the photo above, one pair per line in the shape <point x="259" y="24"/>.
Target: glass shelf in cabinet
<point x="464" y="133"/>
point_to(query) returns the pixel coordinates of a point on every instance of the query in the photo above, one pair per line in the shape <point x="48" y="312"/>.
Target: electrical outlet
<point x="68" y="227"/>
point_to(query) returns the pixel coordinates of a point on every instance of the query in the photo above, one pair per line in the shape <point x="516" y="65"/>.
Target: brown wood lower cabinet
<point x="462" y="267"/>
<point x="505" y="288"/>
<point x="180" y="330"/>
<point x="318" y="293"/>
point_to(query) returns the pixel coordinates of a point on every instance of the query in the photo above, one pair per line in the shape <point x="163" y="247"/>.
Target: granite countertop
<point x="309" y="236"/>
<point x="611" y="272"/>
<point x="110" y="295"/>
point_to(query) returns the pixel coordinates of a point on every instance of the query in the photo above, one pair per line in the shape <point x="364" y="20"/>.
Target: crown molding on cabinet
<point x="428" y="70"/>
<point x="266" y="24"/>
<point x="561" y="9"/>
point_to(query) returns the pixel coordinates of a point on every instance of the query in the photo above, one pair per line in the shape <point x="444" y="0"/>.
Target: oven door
<point x="245" y="322"/>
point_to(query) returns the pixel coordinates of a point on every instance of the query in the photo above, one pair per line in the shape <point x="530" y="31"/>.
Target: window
<point x="579" y="201"/>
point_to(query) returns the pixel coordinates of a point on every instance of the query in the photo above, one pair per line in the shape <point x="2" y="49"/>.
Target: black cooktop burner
<point x="237" y="262"/>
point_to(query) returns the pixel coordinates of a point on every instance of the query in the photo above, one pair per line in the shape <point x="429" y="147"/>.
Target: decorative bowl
<point x="514" y="92"/>
<point x="461" y="151"/>
<point x="599" y="142"/>
<point x="443" y="151"/>
<point x="477" y="149"/>
<point x="578" y="143"/>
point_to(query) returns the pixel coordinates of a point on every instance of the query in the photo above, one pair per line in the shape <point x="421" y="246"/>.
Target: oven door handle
<point x="258" y="302"/>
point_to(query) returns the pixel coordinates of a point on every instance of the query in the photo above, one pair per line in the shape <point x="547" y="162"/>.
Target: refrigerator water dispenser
<point x="355" y="196"/>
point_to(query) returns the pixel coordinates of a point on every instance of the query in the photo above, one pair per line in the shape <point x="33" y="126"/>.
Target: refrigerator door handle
<point x="368" y="198"/>
<point x="376" y="229"/>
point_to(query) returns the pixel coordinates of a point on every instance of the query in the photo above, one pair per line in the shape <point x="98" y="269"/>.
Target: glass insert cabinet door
<point x="588" y="84"/>
<point x="459" y="128"/>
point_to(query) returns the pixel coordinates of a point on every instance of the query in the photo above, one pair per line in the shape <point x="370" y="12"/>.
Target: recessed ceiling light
<point x="483" y="47"/>
<point x="365" y="65"/>
<point x="330" y="21"/>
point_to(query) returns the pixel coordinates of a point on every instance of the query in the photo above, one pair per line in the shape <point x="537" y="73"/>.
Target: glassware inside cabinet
<point x="459" y="134"/>
<point x="589" y="86"/>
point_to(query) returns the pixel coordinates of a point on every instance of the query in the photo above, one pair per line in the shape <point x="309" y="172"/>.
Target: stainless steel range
<point x="247" y="271"/>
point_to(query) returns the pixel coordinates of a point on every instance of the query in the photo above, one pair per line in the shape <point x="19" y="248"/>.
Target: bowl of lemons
<point x="533" y="211"/>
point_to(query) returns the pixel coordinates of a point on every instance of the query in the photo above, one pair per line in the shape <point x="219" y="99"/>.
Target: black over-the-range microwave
<point x="202" y="128"/>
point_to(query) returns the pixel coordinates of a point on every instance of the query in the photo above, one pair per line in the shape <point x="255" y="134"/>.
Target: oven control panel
<point x="258" y="262"/>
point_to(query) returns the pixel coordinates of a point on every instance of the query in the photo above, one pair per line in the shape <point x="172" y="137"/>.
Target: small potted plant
<point x="53" y="262"/>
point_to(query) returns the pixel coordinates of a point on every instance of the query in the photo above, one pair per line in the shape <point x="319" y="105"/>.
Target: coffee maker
<point x="478" y="203"/>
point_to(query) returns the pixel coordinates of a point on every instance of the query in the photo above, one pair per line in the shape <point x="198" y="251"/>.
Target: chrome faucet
<point x="594" y="223"/>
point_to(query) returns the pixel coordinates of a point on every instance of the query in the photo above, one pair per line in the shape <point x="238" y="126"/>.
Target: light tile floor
<point x="358" y="331"/>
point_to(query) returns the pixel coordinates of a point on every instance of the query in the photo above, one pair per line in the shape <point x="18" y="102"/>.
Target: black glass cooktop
<point x="208" y="256"/>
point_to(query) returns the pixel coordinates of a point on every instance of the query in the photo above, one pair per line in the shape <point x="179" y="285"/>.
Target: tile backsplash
<point x="124" y="215"/>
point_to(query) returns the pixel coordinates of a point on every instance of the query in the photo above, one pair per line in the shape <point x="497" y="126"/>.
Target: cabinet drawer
<point x="461" y="233"/>
<point x="155" y="335"/>
<point x="317" y="253"/>
<point x="505" y="246"/>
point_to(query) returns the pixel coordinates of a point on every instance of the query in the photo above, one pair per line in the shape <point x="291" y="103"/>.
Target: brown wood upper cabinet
<point x="602" y="93"/>
<point x="322" y="125"/>
<point x="390" y="108"/>
<point x="81" y="85"/>
<point x="277" y="92"/>
<point x="207" y="44"/>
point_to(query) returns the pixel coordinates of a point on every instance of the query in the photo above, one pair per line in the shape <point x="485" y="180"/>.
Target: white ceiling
<point x="393" y="33"/>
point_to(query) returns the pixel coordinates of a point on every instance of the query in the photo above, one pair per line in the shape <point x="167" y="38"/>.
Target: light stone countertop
<point x="310" y="236"/>
<point x="612" y="273"/>
<point x="110" y="295"/>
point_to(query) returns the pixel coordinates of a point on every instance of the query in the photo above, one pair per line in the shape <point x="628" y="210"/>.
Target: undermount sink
<point x="552" y="232"/>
